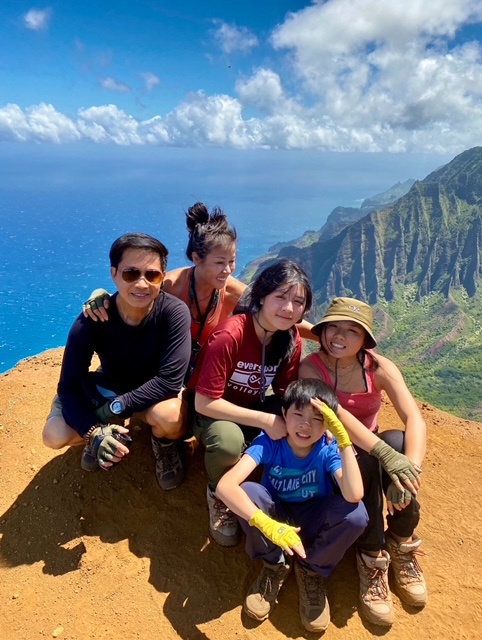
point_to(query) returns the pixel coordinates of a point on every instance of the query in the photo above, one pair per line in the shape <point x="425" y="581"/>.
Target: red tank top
<point x="221" y="311"/>
<point x="363" y="405"/>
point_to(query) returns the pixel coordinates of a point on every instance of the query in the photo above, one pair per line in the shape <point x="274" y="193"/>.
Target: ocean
<point x="62" y="207"/>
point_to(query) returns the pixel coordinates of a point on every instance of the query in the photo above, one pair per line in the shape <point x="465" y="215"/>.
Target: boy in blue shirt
<point x="298" y="495"/>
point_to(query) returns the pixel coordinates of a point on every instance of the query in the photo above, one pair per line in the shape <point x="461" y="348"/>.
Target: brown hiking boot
<point x="262" y="594"/>
<point x="314" y="607"/>
<point x="407" y="572"/>
<point x="169" y="468"/>
<point x="375" y="598"/>
<point x="223" y="524"/>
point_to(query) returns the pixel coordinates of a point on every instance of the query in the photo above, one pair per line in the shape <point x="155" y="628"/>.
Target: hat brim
<point x="370" y="343"/>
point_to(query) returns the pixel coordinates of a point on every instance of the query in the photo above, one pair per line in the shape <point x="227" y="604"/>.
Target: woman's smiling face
<point x="343" y="338"/>
<point x="283" y="308"/>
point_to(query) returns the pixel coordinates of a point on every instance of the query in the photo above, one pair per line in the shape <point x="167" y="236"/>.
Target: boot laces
<point x="314" y="587"/>
<point x="409" y="566"/>
<point x="377" y="583"/>
<point x="224" y="516"/>
<point x="269" y="582"/>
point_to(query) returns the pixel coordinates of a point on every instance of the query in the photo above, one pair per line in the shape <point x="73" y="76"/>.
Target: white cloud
<point x="262" y="90"/>
<point x="39" y="123"/>
<point x="232" y="38"/>
<point x="37" y="19"/>
<point x="354" y="75"/>
<point x="111" y="84"/>
<point x="150" y="80"/>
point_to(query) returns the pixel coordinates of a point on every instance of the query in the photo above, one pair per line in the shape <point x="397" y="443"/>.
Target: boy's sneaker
<point x="223" y="524"/>
<point x="88" y="462"/>
<point x="169" y="467"/>
<point x="262" y="594"/>
<point x="375" y="598"/>
<point x="314" y="607"/>
<point x="411" y="586"/>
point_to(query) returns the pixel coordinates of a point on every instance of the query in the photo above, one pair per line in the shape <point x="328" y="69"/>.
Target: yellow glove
<point x="332" y="422"/>
<point x="284" y="535"/>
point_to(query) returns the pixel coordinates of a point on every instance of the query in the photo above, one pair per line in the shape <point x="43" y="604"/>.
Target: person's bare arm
<point x="220" y="409"/>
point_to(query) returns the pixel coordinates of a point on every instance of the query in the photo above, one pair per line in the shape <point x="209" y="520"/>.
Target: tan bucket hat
<point x="349" y="309"/>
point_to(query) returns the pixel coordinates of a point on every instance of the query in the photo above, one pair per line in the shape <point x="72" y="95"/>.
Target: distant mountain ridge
<point x="418" y="261"/>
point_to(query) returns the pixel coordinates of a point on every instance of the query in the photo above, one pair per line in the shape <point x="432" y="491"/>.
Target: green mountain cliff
<point x="418" y="261"/>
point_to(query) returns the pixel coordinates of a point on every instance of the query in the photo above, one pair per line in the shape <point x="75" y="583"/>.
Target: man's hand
<point x="97" y="305"/>
<point x="284" y="535"/>
<point x="106" y="447"/>
<point x="398" y="466"/>
<point x="397" y="499"/>
<point x="333" y="423"/>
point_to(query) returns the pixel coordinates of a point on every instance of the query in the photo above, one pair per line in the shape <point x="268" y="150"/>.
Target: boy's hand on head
<point x="333" y="423"/>
<point x="284" y="535"/>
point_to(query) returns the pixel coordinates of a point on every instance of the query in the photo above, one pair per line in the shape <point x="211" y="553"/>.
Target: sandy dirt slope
<point x="108" y="555"/>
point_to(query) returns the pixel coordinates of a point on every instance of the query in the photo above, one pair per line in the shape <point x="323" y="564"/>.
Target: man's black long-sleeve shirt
<point x="143" y="364"/>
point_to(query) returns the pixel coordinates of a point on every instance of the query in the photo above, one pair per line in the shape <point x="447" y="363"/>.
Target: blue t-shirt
<point x="294" y="479"/>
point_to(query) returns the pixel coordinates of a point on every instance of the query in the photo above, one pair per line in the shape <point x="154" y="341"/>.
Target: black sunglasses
<point x="133" y="275"/>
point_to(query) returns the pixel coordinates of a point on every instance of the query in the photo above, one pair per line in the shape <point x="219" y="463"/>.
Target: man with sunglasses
<point x="144" y="353"/>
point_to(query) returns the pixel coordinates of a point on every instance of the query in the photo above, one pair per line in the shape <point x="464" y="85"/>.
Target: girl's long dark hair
<point x="286" y="273"/>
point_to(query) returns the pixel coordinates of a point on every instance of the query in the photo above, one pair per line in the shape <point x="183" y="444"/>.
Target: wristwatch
<point x="116" y="406"/>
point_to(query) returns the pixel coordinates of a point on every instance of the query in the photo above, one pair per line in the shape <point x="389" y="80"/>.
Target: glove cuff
<point x="379" y="448"/>
<point x="91" y="431"/>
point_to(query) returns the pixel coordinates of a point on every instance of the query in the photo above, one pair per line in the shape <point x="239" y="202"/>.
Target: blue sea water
<point x="62" y="207"/>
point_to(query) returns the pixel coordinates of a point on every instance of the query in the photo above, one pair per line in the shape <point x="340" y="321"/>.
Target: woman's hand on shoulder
<point x="97" y="305"/>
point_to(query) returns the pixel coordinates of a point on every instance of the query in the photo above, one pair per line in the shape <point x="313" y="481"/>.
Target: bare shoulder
<point x="174" y="280"/>
<point x="234" y="288"/>
<point x="308" y="368"/>
<point x="387" y="372"/>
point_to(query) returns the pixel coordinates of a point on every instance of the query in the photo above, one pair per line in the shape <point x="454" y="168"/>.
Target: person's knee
<point x="395" y="438"/>
<point x="358" y="518"/>
<point x="226" y="442"/>
<point x="168" y="419"/>
<point x="55" y="434"/>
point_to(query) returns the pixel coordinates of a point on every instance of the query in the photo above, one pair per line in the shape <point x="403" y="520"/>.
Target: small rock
<point x="15" y="596"/>
<point x="55" y="481"/>
<point x="57" y="632"/>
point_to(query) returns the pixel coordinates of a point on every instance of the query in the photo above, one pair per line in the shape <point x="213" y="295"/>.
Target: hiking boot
<point x="314" y="607"/>
<point x="169" y="467"/>
<point x="88" y="461"/>
<point x="223" y="524"/>
<point x="262" y="594"/>
<point x="407" y="572"/>
<point x="375" y="598"/>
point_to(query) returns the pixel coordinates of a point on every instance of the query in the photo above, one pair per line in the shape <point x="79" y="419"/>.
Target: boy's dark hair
<point x="137" y="241"/>
<point x="300" y="392"/>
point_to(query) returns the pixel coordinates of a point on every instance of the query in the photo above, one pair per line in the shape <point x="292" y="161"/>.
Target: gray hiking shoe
<point x="169" y="467"/>
<point x="375" y="598"/>
<point x="314" y="607"/>
<point x="411" y="586"/>
<point x="88" y="461"/>
<point x="223" y="524"/>
<point x="262" y="594"/>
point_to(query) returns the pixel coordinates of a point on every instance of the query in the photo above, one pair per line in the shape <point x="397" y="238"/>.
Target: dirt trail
<point x="108" y="555"/>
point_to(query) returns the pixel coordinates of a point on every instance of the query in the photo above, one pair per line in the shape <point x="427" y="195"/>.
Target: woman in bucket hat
<point x="347" y="363"/>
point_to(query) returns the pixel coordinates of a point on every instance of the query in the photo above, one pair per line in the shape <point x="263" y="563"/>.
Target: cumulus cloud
<point x="37" y="19"/>
<point x="232" y="38"/>
<point x="111" y="84"/>
<point x="150" y="80"/>
<point x="353" y="75"/>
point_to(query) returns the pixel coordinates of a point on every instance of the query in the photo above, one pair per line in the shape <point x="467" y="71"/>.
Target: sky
<point x="392" y="76"/>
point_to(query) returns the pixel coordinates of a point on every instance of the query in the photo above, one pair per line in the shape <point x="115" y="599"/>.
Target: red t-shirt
<point x="229" y="365"/>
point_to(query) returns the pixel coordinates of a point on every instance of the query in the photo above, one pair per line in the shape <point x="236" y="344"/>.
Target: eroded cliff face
<point x="431" y="238"/>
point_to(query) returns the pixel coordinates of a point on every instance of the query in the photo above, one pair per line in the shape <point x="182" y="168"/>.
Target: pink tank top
<point x="220" y="312"/>
<point x="363" y="405"/>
